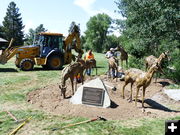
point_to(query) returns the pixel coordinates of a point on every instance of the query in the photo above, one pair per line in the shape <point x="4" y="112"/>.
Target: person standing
<point x="89" y="55"/>
<point x="112" y="54"/>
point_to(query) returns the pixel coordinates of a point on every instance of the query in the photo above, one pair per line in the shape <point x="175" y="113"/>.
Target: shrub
<point x="174" y="63"/>
<point x="134" y="62"/>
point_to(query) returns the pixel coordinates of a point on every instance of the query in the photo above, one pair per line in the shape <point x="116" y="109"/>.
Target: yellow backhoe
<point x="49" y="50"/>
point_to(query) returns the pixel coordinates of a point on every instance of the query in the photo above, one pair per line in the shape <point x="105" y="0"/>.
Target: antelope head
<point x="166" y="55"/>
<point x="63" y="90"/>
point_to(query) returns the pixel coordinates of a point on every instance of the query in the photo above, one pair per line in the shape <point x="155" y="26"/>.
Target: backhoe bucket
<point x="3" y="58"/>
<point x="4" y="53"/>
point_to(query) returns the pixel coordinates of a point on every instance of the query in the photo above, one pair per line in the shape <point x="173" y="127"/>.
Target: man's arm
<point x="107" y="55"/>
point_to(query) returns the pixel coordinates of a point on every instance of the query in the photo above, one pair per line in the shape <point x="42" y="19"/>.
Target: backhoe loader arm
<point x="8" y="53"/>
<point x="74" y="33"/>
<point x="78" y="45"/>
<point x="69" y="41"/>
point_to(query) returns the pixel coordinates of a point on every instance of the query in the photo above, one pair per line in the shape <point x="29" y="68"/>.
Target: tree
<point x="111" y="42"/>
<point x="152" y="27"/>
<point x="149" y="23"/>
<point x="29" y="38"/>
<point x="1" y="32"/>
<point x="13" y="25"/>
<point x="83" y="40"/>
<point x="96" y="33"/>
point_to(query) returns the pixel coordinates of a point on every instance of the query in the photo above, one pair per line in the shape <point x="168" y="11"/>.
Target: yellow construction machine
<point x="50" y="50"/>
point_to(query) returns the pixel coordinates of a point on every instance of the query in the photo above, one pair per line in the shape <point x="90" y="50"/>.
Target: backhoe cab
<point x="51" y="53"/>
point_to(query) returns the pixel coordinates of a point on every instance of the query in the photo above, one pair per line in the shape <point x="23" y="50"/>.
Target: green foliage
<point x="31" y="35"/>
<point x="134" y="62"/>
<point x="111" y="42"/>
<point x="83" y="40"/>
<point x="96" y="33"/>
<point x="151" y="27"/>
<point x="148" y="23"/>
<point x="1" y="32"/>
<point x="13" y="25"/>
<point x="119" y="25"/>
<point x="174" y="72"/>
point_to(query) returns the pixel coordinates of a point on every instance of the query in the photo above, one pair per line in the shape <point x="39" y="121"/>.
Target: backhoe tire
<point x="54" y="62"/>
<point x="26" y="64"/>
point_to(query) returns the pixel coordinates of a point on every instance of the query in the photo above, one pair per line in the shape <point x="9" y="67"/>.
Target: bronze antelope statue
<point x="113" y="66"/>
<point x="123" y="55"/>
<point x="150" y="60"/>
<point x="71" y="71"/>
<point x="140" y="79"/>
<point x="91" y="63"/>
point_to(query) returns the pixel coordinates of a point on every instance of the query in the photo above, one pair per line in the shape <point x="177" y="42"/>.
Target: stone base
<point x="96" y="83"/>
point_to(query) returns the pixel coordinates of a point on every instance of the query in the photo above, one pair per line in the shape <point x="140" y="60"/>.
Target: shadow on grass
<point x="8" y="70"/>
<point x="101" y="67"/>
<point x="43" y="69"/>
<point x="155" y="105"/>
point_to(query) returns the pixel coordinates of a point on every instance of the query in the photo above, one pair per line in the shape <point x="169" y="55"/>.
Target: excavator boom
<point x="70" y="44"/>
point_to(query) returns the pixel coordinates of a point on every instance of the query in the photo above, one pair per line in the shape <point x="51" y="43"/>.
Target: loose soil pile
<point x="157" y="104"/>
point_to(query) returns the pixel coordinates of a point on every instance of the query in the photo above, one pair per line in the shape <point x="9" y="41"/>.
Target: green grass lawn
<point x="15" y="84"/>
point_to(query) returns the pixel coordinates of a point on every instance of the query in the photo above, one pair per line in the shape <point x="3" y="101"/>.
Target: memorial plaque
<point x="93" y="96"/>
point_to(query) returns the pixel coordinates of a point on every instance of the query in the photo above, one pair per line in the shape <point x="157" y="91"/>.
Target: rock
<point x="96" y="83"/>
<point x="173" y="94"/>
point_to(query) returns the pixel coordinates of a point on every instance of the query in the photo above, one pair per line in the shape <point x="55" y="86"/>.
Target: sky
<point x="57" y="15"/>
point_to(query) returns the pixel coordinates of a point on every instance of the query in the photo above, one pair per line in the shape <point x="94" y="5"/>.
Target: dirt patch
<point x="49" y="99"/>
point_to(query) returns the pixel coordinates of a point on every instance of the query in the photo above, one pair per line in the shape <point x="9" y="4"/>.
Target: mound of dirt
<point x="50" y="100"/>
